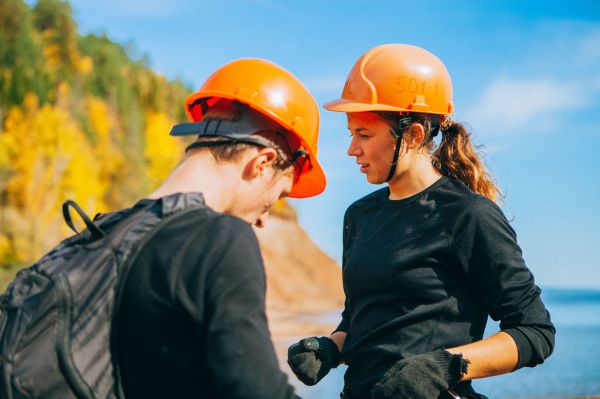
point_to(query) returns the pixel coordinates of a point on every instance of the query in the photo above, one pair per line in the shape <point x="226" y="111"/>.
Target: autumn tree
<point x="81" y="117"/>
<point x="21" y="62"/>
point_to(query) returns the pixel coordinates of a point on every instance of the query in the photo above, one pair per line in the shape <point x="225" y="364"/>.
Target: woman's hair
<point x="279" y="141"/>
<point x="454" y="156"/>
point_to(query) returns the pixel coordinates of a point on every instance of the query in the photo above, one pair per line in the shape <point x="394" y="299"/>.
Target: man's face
<point x="257" y="195"/>
<point x="279" y="188"/>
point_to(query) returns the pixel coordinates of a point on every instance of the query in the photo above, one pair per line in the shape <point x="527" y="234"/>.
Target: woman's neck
<point x="417" y="177"/>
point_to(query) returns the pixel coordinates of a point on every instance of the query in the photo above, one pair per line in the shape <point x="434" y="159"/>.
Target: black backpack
<point x="58" y="317"/>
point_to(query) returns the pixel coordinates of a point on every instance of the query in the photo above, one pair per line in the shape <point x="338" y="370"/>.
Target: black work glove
<point x="312" y="358"/>
<point x="423" y="376"/>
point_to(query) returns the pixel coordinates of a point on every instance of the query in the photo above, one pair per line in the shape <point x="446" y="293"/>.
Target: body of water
<point x="573" y="370"/>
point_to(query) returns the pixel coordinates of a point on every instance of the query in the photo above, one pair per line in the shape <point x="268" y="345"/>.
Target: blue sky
<point x="526" y="78"/>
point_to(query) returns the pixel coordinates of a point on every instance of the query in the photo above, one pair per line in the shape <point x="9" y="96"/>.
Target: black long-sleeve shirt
<point x="192" y="318"/>
<point x="424" y="272"/>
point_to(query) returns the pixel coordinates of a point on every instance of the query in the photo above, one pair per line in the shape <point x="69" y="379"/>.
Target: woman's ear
<point x="414" y="135"/>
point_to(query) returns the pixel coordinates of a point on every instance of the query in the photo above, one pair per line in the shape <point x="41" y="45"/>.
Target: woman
<point x="427" y="258"/>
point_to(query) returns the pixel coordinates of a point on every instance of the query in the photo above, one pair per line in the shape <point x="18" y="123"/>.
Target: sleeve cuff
<point x="342" y="327"/>
<point x="523" y="346"/>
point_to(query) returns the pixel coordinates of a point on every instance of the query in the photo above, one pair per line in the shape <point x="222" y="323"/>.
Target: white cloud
<point x="509" y="103"/>
<point x="588" y="51"/>
<point x="512" y="104"/>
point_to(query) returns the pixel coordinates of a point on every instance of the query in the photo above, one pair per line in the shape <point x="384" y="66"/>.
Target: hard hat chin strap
<point x="403" y="124"/>
<point x="396" y="154"/>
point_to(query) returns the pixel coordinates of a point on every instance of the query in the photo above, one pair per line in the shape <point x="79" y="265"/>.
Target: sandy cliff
<point x="301" y="279"/>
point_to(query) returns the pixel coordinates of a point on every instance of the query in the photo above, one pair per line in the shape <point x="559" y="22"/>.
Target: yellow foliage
<point x="46" y="158"/>
<point x="99" y="152"/>
<point x="4" y="247"/>
<point x="85" y="65"/>
<point x="98" y="114"/>
<point x="59" y="51"/>
<point x="51" y="54"/>
<point x="161" y="150"/>
<point x="63" y="96"/>
<point x="108" y="153"/>
<point x="30" y="103"/>
<point x="4" y="156"/>
<point x="49" y="161"/>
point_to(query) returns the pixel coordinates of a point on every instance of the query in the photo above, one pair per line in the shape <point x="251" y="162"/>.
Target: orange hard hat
<point x="396" y="77"/>
<point x="276" y="93"/>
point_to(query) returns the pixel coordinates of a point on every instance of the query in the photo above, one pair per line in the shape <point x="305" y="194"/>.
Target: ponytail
<point x="455" y="156"/>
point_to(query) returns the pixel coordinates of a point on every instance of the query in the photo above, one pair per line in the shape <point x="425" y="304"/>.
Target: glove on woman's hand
<point x="312" y="358"/>
<point x="423" y="376"/>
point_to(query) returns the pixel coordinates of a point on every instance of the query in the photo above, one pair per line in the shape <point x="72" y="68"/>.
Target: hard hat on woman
<point x="396" y="77"/>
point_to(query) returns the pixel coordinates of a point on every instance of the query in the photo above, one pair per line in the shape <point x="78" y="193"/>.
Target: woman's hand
<point x="423" y="376"/>
<point x="312" y="358"/>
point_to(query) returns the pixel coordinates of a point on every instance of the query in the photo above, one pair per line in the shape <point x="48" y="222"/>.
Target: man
<point x="192" y="314"/>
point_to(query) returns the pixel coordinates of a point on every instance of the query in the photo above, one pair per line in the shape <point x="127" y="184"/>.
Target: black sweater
<point x="192" y="318"/>
<point x="424" y="273"/>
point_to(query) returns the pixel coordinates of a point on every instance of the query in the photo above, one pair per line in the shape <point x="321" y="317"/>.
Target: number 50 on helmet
<point x="276" y="93"/>
<point x="396" y="77"/>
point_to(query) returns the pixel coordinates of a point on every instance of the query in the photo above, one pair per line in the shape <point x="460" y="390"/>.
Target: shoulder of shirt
<point x="469" y="202"/>
<point x="207" y="236"/>
<point x="370" y="199"/>
<point x="233" y="224"/>
<point x="205" y="220"/>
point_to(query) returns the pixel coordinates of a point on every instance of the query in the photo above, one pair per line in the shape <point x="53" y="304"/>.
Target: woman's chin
<point x="375" y="179"/>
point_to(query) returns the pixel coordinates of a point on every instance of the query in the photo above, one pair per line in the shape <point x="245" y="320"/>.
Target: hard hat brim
<point x="349" y="106"/>
<point x="343" y="105"/>
<point x="311" y="182"/>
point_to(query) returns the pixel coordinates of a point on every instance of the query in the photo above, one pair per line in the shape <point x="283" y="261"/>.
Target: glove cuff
<point x="452" y="366"/>
<point x="325" y="349"/>
<point x="332" y="350"/>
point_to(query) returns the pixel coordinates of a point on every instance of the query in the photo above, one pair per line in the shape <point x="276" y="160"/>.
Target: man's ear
<point x="260" y="162"/>
<point x="414" y="135"/>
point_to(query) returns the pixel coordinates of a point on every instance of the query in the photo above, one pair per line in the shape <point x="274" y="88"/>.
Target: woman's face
<point x="372" y="145"/>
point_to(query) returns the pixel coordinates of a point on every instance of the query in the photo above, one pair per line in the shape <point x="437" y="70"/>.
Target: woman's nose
<point x="353" y="148"/>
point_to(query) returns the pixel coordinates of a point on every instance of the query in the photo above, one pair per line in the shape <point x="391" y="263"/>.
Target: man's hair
<point x="281" y="141"/>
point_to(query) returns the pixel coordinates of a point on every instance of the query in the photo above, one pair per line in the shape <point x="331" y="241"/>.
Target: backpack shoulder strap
<point x="178" y="202"/>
